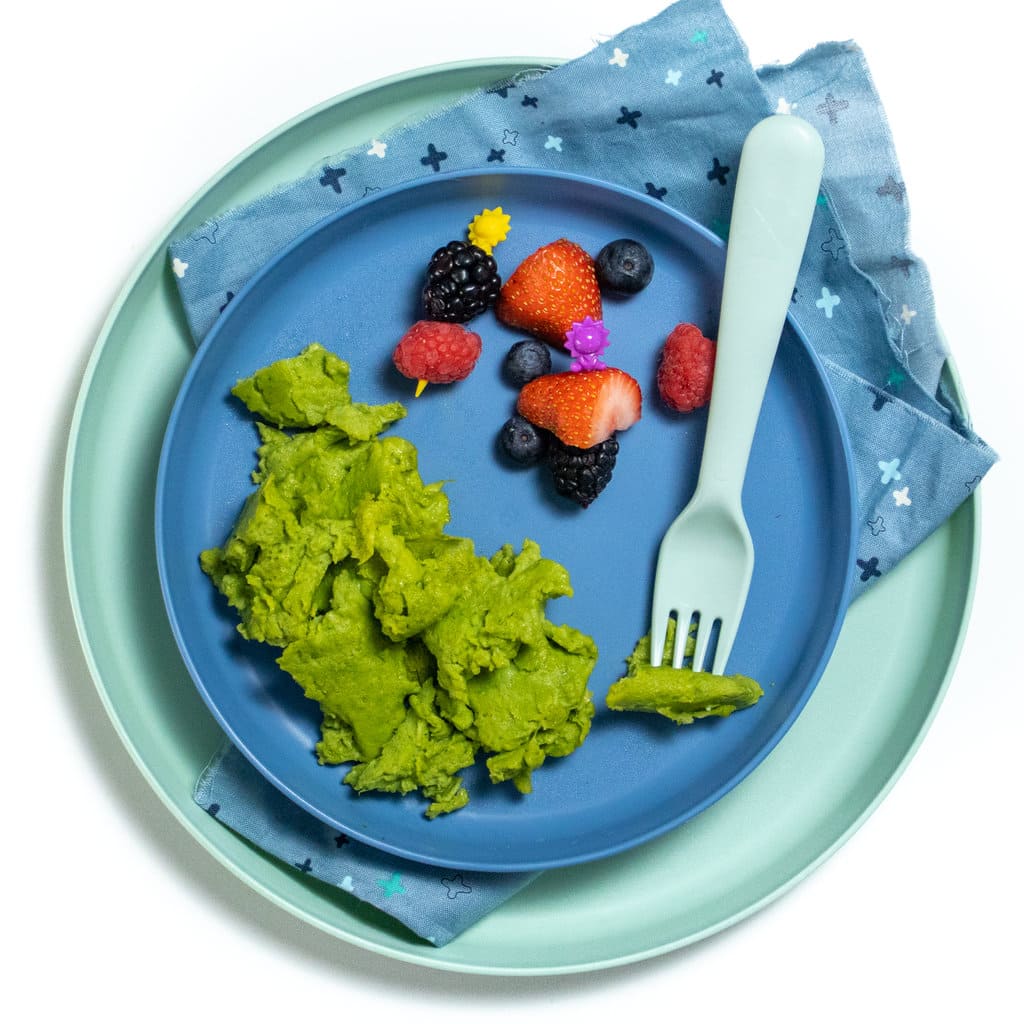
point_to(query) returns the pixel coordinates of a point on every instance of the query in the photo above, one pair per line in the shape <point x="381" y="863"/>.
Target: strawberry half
<point x="548" y="292"/>
<point x="582" y="409"/>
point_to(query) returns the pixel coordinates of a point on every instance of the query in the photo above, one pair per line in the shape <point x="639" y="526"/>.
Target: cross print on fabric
<point x="629" y="117"/>
<point x="718" y="171"/>
<point x="433" y="157"/>
<point x="890" y="470"/>
<point x="831" y="108"/>
<point x="892" y="187"/>
<point x="210" y="231"/>
<point x="827" y="302"/>
<point x="456" y="886"/>
<point x="834" y="245"/>
<point x="868" y="568"/>
<point x="332" y="176"/>
<point x="392" y="886"/>
<point x="715" y="78"/>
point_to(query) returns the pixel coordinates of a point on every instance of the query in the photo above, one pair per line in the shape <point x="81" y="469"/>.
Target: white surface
<point x="115" y="114"/>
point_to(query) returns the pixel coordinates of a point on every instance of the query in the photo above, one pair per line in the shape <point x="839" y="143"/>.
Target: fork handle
<point x="776" y="191"/>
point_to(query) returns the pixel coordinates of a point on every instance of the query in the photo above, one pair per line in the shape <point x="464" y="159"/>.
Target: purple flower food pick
<point x="586" y="340"/>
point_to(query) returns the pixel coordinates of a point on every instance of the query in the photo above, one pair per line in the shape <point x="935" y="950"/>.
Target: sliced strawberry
<point x="582" y="409"/>
<point x="548" y="292"/>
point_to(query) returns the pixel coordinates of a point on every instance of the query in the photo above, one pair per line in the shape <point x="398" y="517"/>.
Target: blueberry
<point x="526" y="360"/>
<point x="624" y="266"/>
<point x="522" y="441"/>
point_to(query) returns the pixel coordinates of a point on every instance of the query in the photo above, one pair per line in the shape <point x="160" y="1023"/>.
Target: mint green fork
<point x="706" y="558"/>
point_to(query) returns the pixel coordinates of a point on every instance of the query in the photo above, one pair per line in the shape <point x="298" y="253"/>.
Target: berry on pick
<point x="548" y="292"/>
<point x="582" y="473"/>
<point x="582" y="409"/>
<point x="436" y="353"/>
<point x="686" y="369"/>
<point x="522" y="441"/>
<point x="462" y="282"/>
<point x="526" y="360"/>
<point x="624" y="266"/>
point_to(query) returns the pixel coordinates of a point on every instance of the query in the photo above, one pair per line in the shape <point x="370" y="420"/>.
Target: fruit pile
<point x="568" y="419"/>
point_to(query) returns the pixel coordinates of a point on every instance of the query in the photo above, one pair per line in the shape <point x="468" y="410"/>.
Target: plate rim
<point x="427" y="957"/>
<point x="175" y="424"/>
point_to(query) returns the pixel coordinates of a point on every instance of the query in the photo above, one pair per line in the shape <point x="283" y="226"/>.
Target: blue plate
<point x="352" y="284"/>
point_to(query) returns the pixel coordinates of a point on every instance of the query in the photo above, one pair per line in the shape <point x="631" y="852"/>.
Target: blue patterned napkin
<point x="663" y="108"/>
<point x="436" y="903"/>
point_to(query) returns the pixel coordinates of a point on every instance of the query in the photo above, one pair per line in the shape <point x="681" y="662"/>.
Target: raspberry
<point x="436" y="352"/>
<point x="686" y="369"/>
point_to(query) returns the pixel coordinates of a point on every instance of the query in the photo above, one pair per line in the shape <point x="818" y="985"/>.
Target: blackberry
<point x="462" y="281"/>
<point x="582" y="473"/>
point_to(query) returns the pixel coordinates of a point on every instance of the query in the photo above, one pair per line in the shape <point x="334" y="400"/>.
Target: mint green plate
<point x="826" y="776"/>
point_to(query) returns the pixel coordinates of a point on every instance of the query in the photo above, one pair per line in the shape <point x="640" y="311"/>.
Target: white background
<point x="115" y="114"/>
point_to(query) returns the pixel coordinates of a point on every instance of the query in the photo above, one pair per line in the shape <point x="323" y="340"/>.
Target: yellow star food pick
<point x="488" y="228"/>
